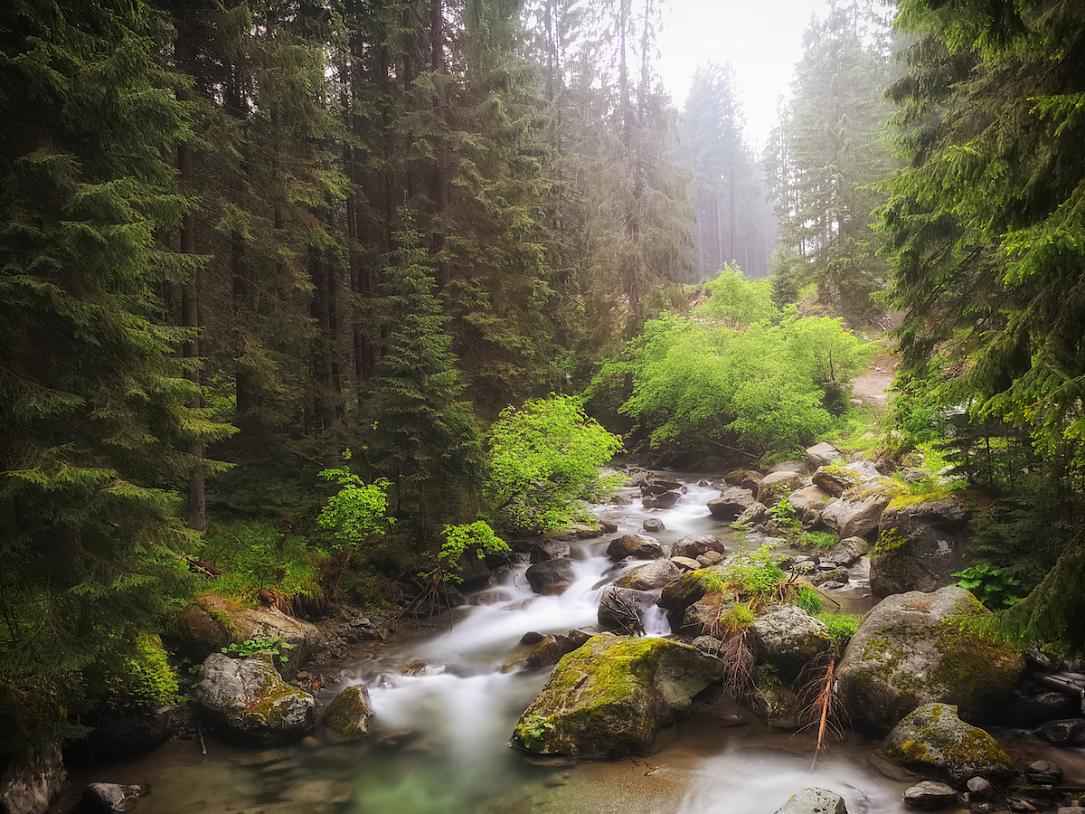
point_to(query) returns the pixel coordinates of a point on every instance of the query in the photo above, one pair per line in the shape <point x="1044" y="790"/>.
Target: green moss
<point x="143" y="680"/>
<point x="269" y="706"/>
<point x="972" y="656"/>
<point x="889" y="540"/>
<point x="842" y="626"/>
<point x="347" y="716"/>
<point x="902" y="501"/>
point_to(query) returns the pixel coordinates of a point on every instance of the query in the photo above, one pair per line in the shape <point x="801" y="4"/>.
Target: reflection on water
<point x="445" y="705"/>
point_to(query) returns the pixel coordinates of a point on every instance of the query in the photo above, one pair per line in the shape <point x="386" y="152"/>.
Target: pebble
<point x="930" y="796"/>
<point x="980" y="788"/>
<point x="1044" y="772"/>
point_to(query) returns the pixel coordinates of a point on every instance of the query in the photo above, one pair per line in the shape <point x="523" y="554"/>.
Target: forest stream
<point x="445" y="703"/>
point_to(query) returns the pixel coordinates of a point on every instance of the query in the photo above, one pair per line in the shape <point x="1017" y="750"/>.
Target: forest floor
<point x="872" y="387"/>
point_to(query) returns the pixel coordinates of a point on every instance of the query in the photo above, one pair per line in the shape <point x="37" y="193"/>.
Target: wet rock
<point x="835" y="577"/>
<point x="913" y="649"/>
<point x="787" y="637"/>
<point x="979" y="789"/>
<point x="687" y="589"/>
<point x="847" y="552"/>
<point x="777" y="485"/>
<point x="694" y="547"/>
<point x="920" y="545"/>
<point x="30" y="786"/>
<point x="1071" y="810"/>
<point x="934" y="741"/>
<point x="346" y="718"/>
<point x="702" y="617"/>
<point x="1067" y="732"/>
<point x="808" y="503"/>
<point x="814" y="801"/>
<point x="1043" y="772"/>
<point x="930" y="796"/>
<point x="833" y="480"/>
<point x="650" y="577"/>
<point x="110" y="798"/>
<point x="622" y="609"/>
<point x="657" y="486"/>
<point x="685" y="563"/>
<point x="550" y="576"/>
<point x="822" y="454"/>
<point x="127" y="731"/>
<point x="611" y="696"/>
<point x="607" y="525"/>
<point x="664" y="501"/>
<point x="854" y="518"/>
<point x="755" y="515"/>
<point x="637" y="546"/>
<point x="531" y="637"/>
<point x="778" y="704"/>
<point x="732" y="502"/>
<point x="549" y="550"/>
<point x="213" y="622"/>
<point x="746" y="478"/>
<point x="551" y="649"/>
<point x="709" y="558"/>
<point x="653" y="525"/>
<point x="709" y="645"/>
<point x="251" y="703"/>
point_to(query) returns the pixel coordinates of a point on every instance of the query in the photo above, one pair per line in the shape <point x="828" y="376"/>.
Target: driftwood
<point x="1066" y="686"/>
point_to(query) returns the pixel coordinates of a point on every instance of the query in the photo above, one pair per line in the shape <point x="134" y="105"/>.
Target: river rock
<point x="702" y="617"/>
<point x="930" y="795"/>
<point x="854" y="518"/>
<point x="754" y="515"/>
<point x="31" y="785"/>
<point x="979" y="789"/>
<point x="778" y="704"/>
<point x="551" y="648"/>
<point x="1067" y="732"/>
<point x="347" y="717"/>
<point x="1030" y="709"/>
<point x="650" y="577"/>
<point x="544" y="550"/>
<point x="550" y="576"/>
<point x="688" y="588"/>
<point x="709" y="558"/>
<point x="653" y="525"/>
<point x="808" y="503"/>
<point x="622" y="609"/>
<point x="787" y="637"/>
<point x="932" y="740"/>
<point x="252" y="704"/>
<point x="821" y="454"/>
<point x="913" y="649"/>
<point x="1043" y="772"/>
<point x="847" y="552"/>
<point x="127" y="731"/>
<point x="685" y="563"/>
<point x="110" y="798"/>
<point x="611" y="696"/>
<point x="693" y="547"/>
<point x="213" y="622"/>
<point x="833" y="480"/>
<point x="657" y="486"/>
<point x="637" y="546"/>
<point x="833" y="578"/>
<point x="664" y="501"/>
<point x="814" y="801"/>
<point x="746" y="478"/>
<point x="920" y="545"/>
<point x="732" y="502"/>
<point x="777" y="485"/>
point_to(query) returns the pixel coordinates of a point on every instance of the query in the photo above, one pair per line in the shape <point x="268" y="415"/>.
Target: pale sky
<point x="762" y="39"/>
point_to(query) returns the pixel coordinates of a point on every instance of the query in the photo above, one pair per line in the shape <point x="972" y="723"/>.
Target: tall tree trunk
<point x="440" y="173"/>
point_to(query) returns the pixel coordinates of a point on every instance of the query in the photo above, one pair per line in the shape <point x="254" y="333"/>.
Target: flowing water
<point x="445" y="702"/>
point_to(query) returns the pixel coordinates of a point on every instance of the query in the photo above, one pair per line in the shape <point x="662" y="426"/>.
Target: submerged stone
<point x="347" y="717"/>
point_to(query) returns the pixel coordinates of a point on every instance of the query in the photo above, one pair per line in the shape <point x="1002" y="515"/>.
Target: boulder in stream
<point x="732" y="502"/>
<point x="653" y="525"/>
<point x="346" y="718"/>
<point x="930" y="795"/>
<point x="110" y="798"/>
<point x="550" y="576"/>
<point x="787" y="637"/>
<point x="921" y="543"/>
<point x="777" y="485"/>
<point x="544" y="550"/>
<point x="611" y="696"/>
<point x="854" y="518"/>
<point x="31" y="785"/>
<point x="662" y="501"/>
<point x="918" y="648"/>
<point x="821" y="454"/>
<point x="693" y="547"/>
<point x="814" y="801"/>
<point x="932" y="740"/>
<point x="637" y="546"/>
<point x="251" y="703"/>
<point x="650" y="577"/>
<point x="622" y="609"/>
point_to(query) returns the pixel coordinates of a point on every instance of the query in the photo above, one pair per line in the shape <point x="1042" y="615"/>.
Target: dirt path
<point x="872" y="388"/>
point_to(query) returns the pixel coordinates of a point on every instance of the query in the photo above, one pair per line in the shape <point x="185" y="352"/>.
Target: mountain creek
<point x="446" y="693"/>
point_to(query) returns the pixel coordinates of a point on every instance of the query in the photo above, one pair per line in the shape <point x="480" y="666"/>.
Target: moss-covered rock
<point x="787" y="637"/>
<point x="922" y="541"/>
<point x="934" y="741"/>
<point x="249" y="701"/>
<point x="611" y="696"/>
<point x="918" y="648"/>
<point x="346" y="718"/>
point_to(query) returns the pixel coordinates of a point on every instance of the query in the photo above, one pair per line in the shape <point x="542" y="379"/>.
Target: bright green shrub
<point x="255" y="556"/>
<point x="737" y="301"/>
<point x="467" y="539"/>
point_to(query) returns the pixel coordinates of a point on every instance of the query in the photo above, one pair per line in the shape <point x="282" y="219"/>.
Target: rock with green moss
<point x="921" y="543"/>
<point x="690" y="587"/>
<point x="934" y="741"/>
<point x="787" y="637"/>
<point x="919" y="648"/>
<point x="346" y="718"/>
<point x="611" y="696"/>
<point x="250" y="703"/>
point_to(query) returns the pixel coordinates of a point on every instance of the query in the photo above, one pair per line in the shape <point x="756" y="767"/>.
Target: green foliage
<point x="255" y="556"/>
<point x="144" y="680"/>
<point x="358" y="513"/>
<point x="260" y="645"/>
<point x="466" y="539"/>
<point x="808" y="599"/>
<point x="763" y="388"/>
<point x="785" y="516"/>
<point x="542" y="461"/>
<point x="736" y="301"/>
<point x="842" y="626"/>
<point x="995" y="587"/>
<point x="757" y="575"/>
<point x="819" y="540"/>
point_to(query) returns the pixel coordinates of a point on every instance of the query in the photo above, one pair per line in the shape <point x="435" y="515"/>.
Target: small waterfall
<point x="655" y="622"/>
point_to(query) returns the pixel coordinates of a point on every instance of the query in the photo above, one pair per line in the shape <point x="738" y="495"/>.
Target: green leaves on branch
<point x="466" y="539"/>
<point x="357" y="513"/>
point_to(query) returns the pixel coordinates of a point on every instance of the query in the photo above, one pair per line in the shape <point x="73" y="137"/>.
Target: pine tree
<point x="423" y="436"/>
<point x="96" y="428"/>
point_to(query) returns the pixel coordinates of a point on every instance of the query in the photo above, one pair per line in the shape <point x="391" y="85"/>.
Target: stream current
<point x="445" y="701"/>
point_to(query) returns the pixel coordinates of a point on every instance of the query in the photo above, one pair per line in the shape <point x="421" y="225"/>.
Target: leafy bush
<point x="260" y="645"/>
<point x="142" y="680"/>
<point x="736" y="301"/>
<point x="994" y="586"/>
<point x="818" y="540"/>
<point x="808" y="599"/>
<point x="255" y="556"/>
<point x="357" y="513"/>
<point x="468" y="538"/>
<point x="542" y="460"/>
<point x="842" y="627"/>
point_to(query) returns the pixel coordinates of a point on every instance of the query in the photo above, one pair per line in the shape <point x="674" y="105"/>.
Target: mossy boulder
<point x="213" y="622"/>
<point x="250" y="703"/>
<point x="787" y="637"/>
<point x="690" y="587"/>
<point x="921" y="543"/>
<point x="611" y="697"/>
<point x="918" y="648"/>
<point x="934" y="741"/>
<point x="346" y="718"/>
<point x="776" y="485"/>
<point x="693" y="547"/>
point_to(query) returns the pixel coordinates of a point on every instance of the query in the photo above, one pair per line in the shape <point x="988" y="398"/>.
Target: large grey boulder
<point x="31" y="785"/>
<point x="776" y="485"/>
<point x="550" y="576"/>
<point x="637" y="546"/>
<point x="934" y="741"/>
<point x="930" y="795"/>
<point x="854" y="518"/>
<point x="544" y="550"/>
<point x="650" y="577"/>
<point x="918" y="648"/>
<point x="250" y="702"/>
<point x="622" y="609"/>
<point x="787" y="637"/>
<point x="732" y="502"/>
<point x="611" y="696"/>
<point x="920" y="545"/>
<point x="821" y="454"/>
<point x="809" y="502"/>
<point x="847" y="552"/>
<point x="693" y="547"/>
<point x="814" y="801"/>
